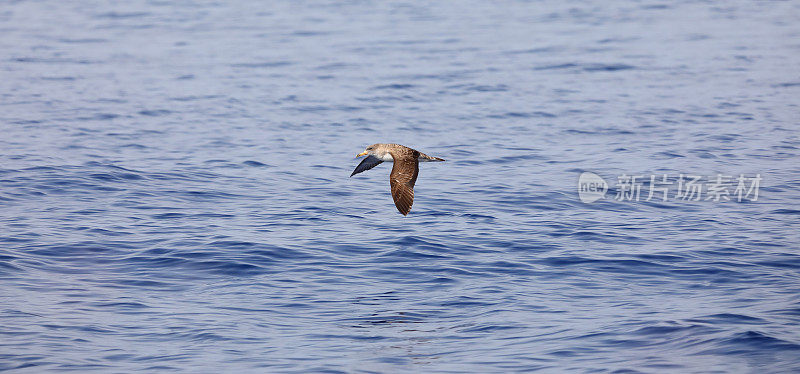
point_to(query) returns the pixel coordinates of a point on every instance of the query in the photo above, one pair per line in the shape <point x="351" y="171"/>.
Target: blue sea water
<point x="174" y="191"/>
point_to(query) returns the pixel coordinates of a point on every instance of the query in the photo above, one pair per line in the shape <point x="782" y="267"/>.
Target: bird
<point x="404" y="171"/>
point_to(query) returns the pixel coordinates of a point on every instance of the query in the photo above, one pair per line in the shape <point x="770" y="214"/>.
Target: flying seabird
<point x="404" y="172"/>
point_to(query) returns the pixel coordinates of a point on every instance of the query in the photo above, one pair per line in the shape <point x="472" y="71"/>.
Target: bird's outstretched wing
<point x="366" y="164"/>
<point x="402" y="179"/>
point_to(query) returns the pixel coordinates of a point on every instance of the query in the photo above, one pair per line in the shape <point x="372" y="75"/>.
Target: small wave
<point x="266" y="64"/>
<point x="588" y="67"/>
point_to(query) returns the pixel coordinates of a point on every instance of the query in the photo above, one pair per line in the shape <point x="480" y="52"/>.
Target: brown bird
<point x="404" y="172"/>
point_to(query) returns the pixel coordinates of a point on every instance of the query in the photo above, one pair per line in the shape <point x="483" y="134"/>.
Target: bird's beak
<point x="361" y="154"/>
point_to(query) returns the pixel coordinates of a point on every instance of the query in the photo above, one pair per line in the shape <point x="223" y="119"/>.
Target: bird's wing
<point x="366" y="164"/>
<point x="402" y="179"/>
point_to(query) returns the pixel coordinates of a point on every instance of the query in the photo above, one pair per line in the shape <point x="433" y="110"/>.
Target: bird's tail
<point x="425" y="158"/>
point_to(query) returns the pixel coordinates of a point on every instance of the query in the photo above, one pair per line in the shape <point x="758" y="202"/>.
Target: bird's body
<point x="404" y="171"/>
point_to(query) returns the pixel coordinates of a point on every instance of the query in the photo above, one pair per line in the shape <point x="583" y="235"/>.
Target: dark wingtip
<point x="400" y="210"/>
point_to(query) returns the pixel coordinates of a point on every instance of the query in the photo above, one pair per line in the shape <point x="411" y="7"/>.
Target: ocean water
<point x="174" y="190"/>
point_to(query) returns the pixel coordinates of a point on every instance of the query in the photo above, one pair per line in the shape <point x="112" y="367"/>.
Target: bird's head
<point x="373" y="150"/>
